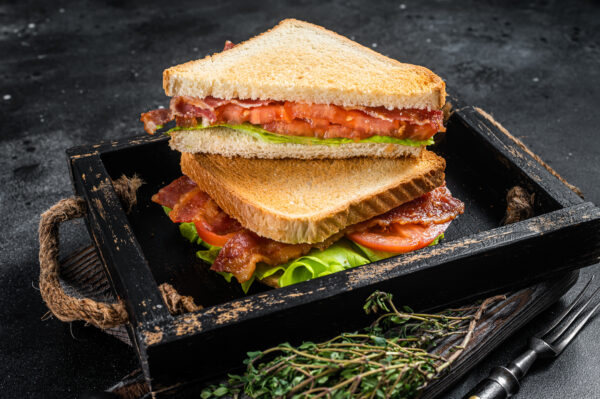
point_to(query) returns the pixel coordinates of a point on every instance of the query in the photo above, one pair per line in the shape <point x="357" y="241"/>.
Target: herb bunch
<point x="397" y="356"/>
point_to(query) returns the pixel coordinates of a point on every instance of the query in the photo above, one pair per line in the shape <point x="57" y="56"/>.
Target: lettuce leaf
<point x="373" y="255"/>
<point x="269" y="137"/>
<point x="342" y="255"/>
<point x="437" y="240"/>
<point x="339" y="256"/>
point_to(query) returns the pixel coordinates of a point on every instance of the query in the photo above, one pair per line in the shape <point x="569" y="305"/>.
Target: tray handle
<point x="67" y="308"/>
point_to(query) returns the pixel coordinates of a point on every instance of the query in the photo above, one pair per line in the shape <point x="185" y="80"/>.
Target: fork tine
<point x="555" y="334"/>
<point x="584" y="319"/>
<point x="565" y="312"/>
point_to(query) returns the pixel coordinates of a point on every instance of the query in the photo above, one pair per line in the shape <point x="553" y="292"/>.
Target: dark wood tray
<point x="143" y="249"/>
<point x="497" y="324"/>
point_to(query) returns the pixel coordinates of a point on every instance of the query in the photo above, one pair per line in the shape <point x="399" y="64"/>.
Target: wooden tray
<point x="476" y="259"/>
<point x="498" y="322"/>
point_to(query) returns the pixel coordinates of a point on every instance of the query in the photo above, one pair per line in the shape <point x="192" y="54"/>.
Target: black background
<point x="82" y="71"/>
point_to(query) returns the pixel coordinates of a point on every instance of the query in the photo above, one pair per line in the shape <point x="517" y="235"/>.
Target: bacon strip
<point x="154" y="119"/>
<point x="190" y="204"/>
<point x="192" y="111"/>
<point x="190" y="107"/>
<point x="241" y="253"/>
<point x="244" y="250"/>
<point x="414" y="116"/>
<point x="169" y="195"/>
<point x="435" y="207"/>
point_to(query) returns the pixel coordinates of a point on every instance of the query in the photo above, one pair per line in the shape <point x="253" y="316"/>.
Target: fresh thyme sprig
<point x="397" y="356"/>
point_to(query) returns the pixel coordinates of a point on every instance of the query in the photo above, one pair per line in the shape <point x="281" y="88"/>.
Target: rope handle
<point x="63" y="306"/>
<point x="67" y="308"/>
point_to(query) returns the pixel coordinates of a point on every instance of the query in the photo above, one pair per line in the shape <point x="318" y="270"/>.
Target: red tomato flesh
<point x="329" y="121"/>
<point x="211" y="238"/>
<point x="399" y="238"/>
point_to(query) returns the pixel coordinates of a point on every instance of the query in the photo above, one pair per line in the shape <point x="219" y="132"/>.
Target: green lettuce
<point x="269" y="137"/>
<point x="373" y="255"/>
<point x="340" y="256"/>
<point x="343" y="254"/>
<point x="437" y="240"/>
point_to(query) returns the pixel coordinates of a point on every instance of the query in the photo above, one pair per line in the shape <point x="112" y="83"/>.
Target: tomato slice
<point x="329" y="121"/>
<point x="399" y="238"/>
<point x="209" y="237"/>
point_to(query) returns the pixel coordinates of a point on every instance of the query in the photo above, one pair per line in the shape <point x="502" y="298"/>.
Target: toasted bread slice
<point x="307" y="201"/>
<point x="299" y="61"/>
<point x="232" y="143"/>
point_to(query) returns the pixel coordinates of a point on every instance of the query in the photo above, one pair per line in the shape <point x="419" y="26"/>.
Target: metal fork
<point x="503" y="382"/>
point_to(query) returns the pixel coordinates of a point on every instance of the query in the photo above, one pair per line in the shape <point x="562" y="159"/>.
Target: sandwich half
<point x="285" y="221"/>
<point x="300" y="91"/>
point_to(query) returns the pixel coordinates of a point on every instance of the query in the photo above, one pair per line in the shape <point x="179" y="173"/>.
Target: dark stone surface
<point x="79" y="72"/>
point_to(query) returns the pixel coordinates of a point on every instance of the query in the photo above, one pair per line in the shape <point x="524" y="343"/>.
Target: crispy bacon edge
<point x="435" y="207"/>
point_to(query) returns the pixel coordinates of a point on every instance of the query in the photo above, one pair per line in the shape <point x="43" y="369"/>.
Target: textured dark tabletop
<point x="79" y="72"/>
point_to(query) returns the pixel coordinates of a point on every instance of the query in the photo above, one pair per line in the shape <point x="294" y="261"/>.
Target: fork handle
<point x="487" y="389"/>
<point x="501" y="384"/>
